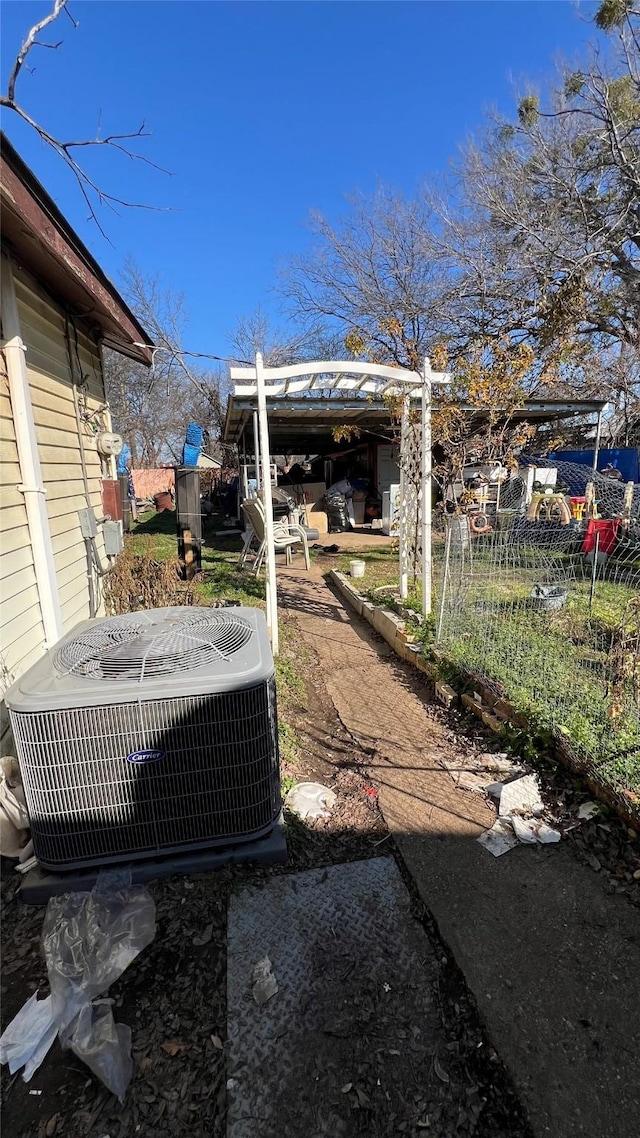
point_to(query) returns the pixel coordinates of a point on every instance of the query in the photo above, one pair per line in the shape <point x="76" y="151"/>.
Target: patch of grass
<point x="539" y="667"/>
<point x="287" y="741"/>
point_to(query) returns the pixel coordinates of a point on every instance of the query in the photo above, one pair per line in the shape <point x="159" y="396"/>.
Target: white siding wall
<point x="22" y="631"/>
<point x="42" y="326"/>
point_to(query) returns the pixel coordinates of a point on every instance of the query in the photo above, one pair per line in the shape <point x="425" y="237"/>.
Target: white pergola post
<point x="403" y="542"/>
<point x="256" y="449"/>
<point x="270" y="554"/>
<point x="426" y="487"/>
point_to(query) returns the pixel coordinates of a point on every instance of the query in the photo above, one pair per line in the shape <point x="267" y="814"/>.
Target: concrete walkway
<point x="552" y="958"/>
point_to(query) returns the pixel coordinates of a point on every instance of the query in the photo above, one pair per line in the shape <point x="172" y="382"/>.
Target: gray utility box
<point x="113" y="538"/>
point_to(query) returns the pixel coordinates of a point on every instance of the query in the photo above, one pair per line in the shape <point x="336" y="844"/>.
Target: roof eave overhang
<point x="37" y="235"/>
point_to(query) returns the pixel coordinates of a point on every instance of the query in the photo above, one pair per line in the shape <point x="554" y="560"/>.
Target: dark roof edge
<point x="49" y="207"/>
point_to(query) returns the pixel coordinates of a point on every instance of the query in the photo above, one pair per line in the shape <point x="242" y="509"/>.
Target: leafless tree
<point x="535" y="238"/>
<point x="374" y="278"/>
<point x="147" y="412"/>
<point x="151" y="408"/>
<point x="546" y="246"/>
<point x="279" y="346"/>
<point x="68" y="149"/>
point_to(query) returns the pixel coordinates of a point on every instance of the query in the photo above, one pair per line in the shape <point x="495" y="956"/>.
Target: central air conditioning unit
<point x="148" y="734"/>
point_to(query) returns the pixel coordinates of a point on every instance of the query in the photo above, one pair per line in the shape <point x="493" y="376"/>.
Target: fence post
<point x="443" y="587"/>
<point x="594" y="571"/>
<point x="627" y="504"/>
<point x="590" y="500"/>
<point x="426" y="487"/>
<point x="189" y="518"/>
<point x="125" y="502"/>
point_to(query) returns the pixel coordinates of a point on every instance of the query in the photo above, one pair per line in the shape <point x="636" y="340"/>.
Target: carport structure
<point x="360" y="382"/>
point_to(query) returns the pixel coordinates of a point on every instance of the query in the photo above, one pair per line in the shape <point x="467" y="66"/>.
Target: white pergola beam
<point x="325" y="367"/>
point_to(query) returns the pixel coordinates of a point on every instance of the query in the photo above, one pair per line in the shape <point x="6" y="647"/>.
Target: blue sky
<point x="264" y="111"/>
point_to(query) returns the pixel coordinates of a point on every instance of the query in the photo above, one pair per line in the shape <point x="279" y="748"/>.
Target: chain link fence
<point x="552" y="625"/>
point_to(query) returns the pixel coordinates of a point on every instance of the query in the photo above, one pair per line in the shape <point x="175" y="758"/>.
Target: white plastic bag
<point x="14" y="820"/>
<point x="103" y="1044"/>
<point x="26" y="1040"/>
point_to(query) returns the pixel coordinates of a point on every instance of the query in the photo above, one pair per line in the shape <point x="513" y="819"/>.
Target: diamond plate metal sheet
<point x="353" y="1010"/>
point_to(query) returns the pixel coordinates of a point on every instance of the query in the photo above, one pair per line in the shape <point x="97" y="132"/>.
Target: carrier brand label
<point x="145" y="756"/>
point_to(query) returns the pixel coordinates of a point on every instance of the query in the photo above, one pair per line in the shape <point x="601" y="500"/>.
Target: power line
<point x="195" y="355"/>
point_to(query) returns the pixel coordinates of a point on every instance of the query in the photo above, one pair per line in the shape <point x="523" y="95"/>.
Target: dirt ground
<point x="174" y="994"/>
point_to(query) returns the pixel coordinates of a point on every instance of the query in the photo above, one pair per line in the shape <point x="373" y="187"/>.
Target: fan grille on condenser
<point x="140" y="645"/>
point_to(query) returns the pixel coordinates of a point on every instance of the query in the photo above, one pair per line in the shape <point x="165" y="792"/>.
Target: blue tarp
<point x="190" y="455"/>
<point x="195" y="435"/>
<point x="122" y="461"/>
<point x="625" y="459"/>
<point x="193" y="444"/>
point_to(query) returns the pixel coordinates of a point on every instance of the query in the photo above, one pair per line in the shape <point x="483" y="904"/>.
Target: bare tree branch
<point x="62" y="148"/>
<point x="31" y="41"/>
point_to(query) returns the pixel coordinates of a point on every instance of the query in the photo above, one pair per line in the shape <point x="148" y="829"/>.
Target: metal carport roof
<point x="304" y="423"/>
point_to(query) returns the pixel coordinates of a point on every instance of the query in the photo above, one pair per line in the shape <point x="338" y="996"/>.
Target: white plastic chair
<point x="285" y="536"/>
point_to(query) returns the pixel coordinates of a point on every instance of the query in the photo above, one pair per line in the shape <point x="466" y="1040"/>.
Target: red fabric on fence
<point x="608" y="531"/>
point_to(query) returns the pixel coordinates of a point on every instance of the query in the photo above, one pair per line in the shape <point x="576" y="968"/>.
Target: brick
<point x="505" y="710"/>
<point x="445" y="694"/>
<point x="474" y="705"/>
<point x="368" y="611"/>
<point x="406" y="635"/>
<point x="425" y="666"/>
<point x="493" y="722"/>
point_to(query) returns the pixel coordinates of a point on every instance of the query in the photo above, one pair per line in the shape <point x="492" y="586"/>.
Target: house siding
<point x="20" y="618"/>
<point x="43" y="330"/>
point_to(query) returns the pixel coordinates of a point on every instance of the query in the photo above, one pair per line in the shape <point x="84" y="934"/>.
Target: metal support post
<point x="256" y="448"/>
<point x="596" y="449"/>
<point x="426" y="487"/>
<point x="270" y="554"/>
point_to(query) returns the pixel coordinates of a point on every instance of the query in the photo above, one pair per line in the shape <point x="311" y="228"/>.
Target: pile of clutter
<point x="522" y="815"/>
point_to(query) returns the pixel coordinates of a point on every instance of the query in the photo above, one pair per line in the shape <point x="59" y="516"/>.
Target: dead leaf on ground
<point x="440" y="1071"/>
<point x="217" y="1042"/>
<point x="174" y="1048"/>
<point x="49" y="1127"/>
<point x="346" y="1088"/>
<point x="204" y="938"/>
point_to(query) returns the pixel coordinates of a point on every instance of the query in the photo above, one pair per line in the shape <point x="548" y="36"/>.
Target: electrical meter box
<point x="109" y="443"/>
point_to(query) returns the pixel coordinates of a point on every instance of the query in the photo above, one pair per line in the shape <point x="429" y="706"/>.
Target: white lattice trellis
<point x="356" y="377"/>
<point x="411" y="497"/>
